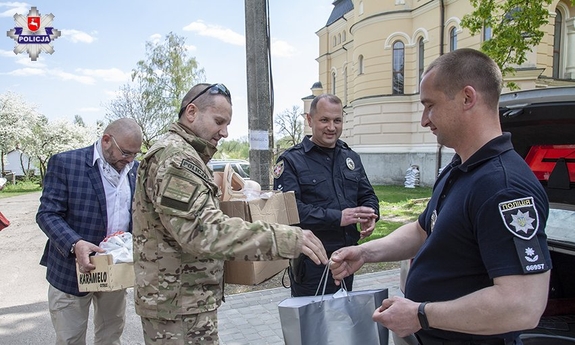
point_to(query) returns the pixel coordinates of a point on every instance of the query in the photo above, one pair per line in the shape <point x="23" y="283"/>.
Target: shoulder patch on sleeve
<point x="520" y="217"/>
<point x="194" y="169"/>
<point x="177" y="193"/>
<point x="278" y="169"/>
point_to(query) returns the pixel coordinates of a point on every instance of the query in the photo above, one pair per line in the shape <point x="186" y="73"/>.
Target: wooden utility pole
<point x="260" y="116"/>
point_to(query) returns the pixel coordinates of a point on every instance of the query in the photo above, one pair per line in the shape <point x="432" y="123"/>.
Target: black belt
<point x="424" y="340"/>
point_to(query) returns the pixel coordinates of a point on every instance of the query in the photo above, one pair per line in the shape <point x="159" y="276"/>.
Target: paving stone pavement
<point x="244" y="319"/>
<point x="252" y="318"/>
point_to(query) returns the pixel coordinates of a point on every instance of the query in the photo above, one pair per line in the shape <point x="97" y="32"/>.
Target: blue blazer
<point x="72" y="207"/>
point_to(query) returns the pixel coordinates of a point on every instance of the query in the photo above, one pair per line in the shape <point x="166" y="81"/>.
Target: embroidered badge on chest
<point x="520" y="217"/>
<point x="350" y="164"/>
<point x="278" y="169"/>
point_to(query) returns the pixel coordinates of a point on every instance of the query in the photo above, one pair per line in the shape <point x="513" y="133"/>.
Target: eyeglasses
<point x="124" y="154"/>
<point x="213" y="89"/>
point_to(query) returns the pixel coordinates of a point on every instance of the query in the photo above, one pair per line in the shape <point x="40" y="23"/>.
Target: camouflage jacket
<point x="181" y="238"/>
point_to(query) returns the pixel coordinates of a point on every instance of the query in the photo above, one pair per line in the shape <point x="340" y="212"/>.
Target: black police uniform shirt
<point x="486" y="219"/>
<point x="324" y="184"/>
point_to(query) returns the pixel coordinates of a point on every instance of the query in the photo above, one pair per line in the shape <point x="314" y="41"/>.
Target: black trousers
<point x="304" y="279"/>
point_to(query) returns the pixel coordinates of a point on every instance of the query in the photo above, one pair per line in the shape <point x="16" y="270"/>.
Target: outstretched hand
<point x="345" y="261"/>
<point x="313" y="248"/>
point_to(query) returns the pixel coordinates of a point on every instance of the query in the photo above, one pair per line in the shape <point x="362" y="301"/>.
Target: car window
<point x="218" y="167"/>
<point x="560" y="223"/>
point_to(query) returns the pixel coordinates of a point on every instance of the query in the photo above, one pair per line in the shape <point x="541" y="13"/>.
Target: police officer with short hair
<point x="332" y="191"/>
<point x="481" y="269"/>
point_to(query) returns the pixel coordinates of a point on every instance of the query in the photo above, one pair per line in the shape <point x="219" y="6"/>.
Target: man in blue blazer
<point x="87" y="196"/>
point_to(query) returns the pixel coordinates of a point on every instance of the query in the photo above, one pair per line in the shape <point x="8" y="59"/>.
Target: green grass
<point x="20" y="188"/>
<point x="397" y="205"/>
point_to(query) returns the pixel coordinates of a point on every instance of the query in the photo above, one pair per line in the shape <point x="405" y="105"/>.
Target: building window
<point x="345" y="86"/>
<point x="334" y="40"/>
<point x="557" y="45"/>
<point x="338" y="38"/>
<point x="398" y="63"/>
<point x="360" y="64"/>
<point x="420" y="58"/>
<point x="333" y="80"/>
<point x="487" y="33"/>
<point x="452" y="39"/>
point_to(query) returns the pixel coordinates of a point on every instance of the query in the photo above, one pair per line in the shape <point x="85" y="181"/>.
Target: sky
<point x="101" y="42"/>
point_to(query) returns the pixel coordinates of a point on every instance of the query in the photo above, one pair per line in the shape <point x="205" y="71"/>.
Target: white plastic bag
<point x="119" y="245"/>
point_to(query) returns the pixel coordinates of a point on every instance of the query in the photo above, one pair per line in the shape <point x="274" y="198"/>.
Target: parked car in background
<point x="240" y="166"/>
<point x="542" y="127"/>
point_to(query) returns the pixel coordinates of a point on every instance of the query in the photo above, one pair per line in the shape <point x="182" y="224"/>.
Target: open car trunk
<point x="542" y="125"/>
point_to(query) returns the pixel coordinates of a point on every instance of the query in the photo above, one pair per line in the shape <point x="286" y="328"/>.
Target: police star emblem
<point x="520" y="217"/>
<point x="33" y="33"/>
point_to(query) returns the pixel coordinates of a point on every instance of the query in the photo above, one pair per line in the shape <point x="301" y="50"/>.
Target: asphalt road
<point x="24" y="316"/>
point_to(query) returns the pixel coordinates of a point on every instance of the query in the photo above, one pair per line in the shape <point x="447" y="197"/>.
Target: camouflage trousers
<point x="189" y="329"/>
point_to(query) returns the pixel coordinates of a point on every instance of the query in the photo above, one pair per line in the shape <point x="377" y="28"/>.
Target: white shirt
<point x="118" y="193"/>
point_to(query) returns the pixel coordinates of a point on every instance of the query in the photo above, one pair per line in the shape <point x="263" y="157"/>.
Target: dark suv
<point x="542" y="127"/>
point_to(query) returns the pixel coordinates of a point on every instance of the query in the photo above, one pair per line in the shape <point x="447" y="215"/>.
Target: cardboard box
<point x="278" y="208"/>
<point x="107" y="276"/>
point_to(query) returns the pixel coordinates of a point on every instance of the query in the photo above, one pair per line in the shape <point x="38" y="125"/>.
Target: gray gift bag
<point x="341" y="318"/>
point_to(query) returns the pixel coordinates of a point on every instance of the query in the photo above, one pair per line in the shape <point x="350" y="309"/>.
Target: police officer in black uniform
<point x="332" y="190"/>
<point x="481" y="266"/>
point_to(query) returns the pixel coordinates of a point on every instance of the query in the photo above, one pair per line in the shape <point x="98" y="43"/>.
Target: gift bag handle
<point x="324" y="279"/>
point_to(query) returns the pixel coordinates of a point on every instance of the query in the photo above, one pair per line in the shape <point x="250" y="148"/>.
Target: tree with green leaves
<point x="159" y="82"/>
<point x="290" y="126"/>
<point x="233" y="149"/>
<point x="516" y="27"/>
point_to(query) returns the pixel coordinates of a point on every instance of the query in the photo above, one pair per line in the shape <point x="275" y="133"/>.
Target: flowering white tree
<point x="15" y="119"/>
<point x="48" y="138"/>
<point x="22" y="128"/>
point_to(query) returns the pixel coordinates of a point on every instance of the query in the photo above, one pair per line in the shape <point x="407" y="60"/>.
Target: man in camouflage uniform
<point x="181" y="238"/>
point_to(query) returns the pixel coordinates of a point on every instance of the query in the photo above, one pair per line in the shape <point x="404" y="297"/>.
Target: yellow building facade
<point x="372" y="54"/>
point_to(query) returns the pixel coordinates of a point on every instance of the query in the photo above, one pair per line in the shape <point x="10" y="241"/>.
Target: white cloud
<point x="13" y="8"/>
<point x="76" y="36"/>
<point x="111" y="74"/>
<point x="282" y="49"/>
<point x="216" y="31"/>
<point x="70" y="76"/>
<point x="155" y="38"/>
<point x="23" y="59"/>
<point x="26" y="72"/>
<point x="112" y="93"/>
<point x="7" y="53"/>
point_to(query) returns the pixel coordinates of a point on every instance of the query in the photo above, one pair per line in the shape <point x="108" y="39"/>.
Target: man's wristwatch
<point x="422" y="317"/>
